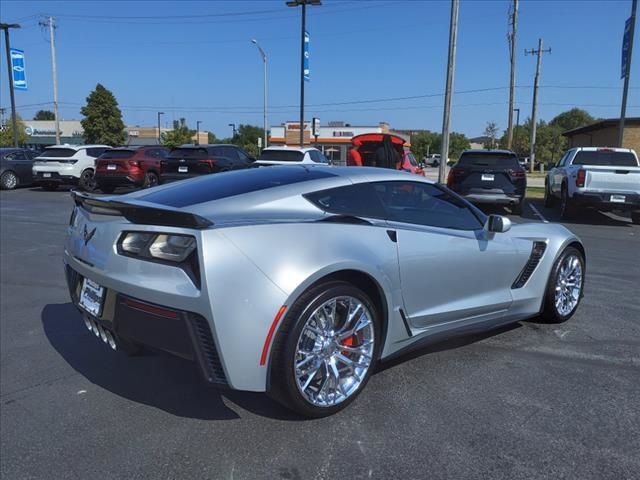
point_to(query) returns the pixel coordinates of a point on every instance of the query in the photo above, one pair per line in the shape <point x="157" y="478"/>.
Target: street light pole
<point x="159" y="136"/>
<point x="14" y="121"/>
<point x="198" y="122"/>
<point x="233" y="126"/>
<point x="264" y="61"/>
<point x="303" y="4"/>
<point x="451" y="69"/>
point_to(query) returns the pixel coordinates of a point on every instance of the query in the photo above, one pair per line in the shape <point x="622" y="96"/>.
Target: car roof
<point x="206" y="145"/>
<point x="78" y="147"/>
<point x="611" y="149"/>
<point x="488" y="151"/>
<point x="291" y="149"/>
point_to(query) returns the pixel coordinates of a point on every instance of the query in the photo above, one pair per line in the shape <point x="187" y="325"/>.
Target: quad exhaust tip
<point x="99" y="331"/>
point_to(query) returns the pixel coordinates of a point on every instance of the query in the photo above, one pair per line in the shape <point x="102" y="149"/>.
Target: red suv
<point x="382" y="150"/>
<point x="129" y="166"/>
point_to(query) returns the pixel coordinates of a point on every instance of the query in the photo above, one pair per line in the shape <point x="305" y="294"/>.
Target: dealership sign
<point x="18" y="69"/>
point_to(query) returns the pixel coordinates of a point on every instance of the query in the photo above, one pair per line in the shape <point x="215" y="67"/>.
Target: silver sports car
<point x="298" y="280"/>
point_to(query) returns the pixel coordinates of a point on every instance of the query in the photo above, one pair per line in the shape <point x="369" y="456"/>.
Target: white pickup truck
<point x="603" y="178"/>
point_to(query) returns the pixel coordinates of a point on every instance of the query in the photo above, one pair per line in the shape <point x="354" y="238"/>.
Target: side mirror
<point x="497" y="224"/>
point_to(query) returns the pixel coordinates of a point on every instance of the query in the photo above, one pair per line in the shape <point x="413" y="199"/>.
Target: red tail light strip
<point x="154" y="310"/>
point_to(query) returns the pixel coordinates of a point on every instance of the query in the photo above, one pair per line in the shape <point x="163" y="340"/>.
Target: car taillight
<point x="209" y="161"/>
<point x="580" y="178"/>
<point x="517" y="173"/>
<point x="453" y="173"/>
<point x="134" y="163"/>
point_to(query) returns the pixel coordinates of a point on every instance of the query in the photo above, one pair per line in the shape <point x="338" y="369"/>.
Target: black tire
<point x="550" y="313"/>
<point x="283" y="387"/>
<point x="50" y="187"/>
<point x="635" y="217"/>
<point x="87" y="180"/>
<point x="549" y="200"/>
<point x="567" y="209"/>
<point x="107" y="188"/>
<point x="150" y="180"/>
<point x="8" y="180"/>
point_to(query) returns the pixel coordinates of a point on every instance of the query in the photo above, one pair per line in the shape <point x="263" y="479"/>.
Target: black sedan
<point x="15" y="167"/>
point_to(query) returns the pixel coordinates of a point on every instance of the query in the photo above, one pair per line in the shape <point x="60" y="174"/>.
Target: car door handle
<point x="393" y="236"/>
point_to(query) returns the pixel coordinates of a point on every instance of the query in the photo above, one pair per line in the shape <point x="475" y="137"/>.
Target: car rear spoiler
<point x="140" y="214"/>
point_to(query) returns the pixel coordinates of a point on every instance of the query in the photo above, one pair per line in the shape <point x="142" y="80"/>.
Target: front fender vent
<point x="537" y="251"/>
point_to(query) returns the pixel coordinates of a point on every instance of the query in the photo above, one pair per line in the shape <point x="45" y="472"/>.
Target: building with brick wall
<point x="605" y="134"/>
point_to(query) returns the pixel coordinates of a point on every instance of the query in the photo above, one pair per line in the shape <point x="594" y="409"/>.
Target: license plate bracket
<point x="111" y="167"/>
<point x="183" y="169"/>
<point x="488" y="177"/>
<point x="617" y="198"/>
<point x="91" y="297"/>
<point x="46" y="175"/>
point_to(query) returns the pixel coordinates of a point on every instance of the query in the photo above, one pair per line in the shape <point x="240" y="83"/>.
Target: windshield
<point x="118" y="154"/>
<point x="412" y="159"/>
<point x="605" y="158"/>
<point x="488" y="160"/>
<point x="189" y="153"/>
<point x="281" y="155"/>
<point x="58" y="152"/>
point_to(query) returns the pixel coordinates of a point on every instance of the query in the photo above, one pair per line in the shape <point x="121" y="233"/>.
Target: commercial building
<point x="334" y="139"/>
<point x="605" y="134"/>
<point x="42" y="133"/>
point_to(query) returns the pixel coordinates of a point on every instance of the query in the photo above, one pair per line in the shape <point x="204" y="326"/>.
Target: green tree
<point x="574" y="118"/>
<point x="211" y="138"/>
<point x="458" y="142"/>
<point x="102" y="122"/>
<point x="247" y="138"/>
<point x="44" y="115"/>
<point x="180" y="134"/>
<point x="424" y="143"/>
<point x="491" y="132"/>
<point x="6" y="133"/>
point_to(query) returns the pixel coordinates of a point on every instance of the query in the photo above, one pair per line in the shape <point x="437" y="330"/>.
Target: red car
<point x="382" y="150"/>
<point x="129" y="166"/>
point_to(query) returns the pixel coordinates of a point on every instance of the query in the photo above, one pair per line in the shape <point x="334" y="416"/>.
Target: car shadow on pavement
<point x="442" y="342"/>
<point x="155" y="379"/>
<point x="586" y="216"/>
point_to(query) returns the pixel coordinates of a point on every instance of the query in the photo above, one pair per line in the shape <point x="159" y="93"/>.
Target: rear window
<point x="281" y="155"/>
<point x="215" y="187"/>
<point x="189" y="153"/>
<point x="605" y="158"/>
<point x="58" y="152"/>
<point x="488" y="160"/>
<point x="114" y="154"/>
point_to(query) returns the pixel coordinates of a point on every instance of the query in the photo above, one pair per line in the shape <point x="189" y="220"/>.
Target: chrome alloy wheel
<point x="568" y="285"/>
<point x="334" y="351"/>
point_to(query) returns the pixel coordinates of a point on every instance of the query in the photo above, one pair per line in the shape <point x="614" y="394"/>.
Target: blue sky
<point x="195" y="60"/>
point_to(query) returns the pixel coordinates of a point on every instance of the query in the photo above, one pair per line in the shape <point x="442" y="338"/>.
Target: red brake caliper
<point x="348" y="342"/>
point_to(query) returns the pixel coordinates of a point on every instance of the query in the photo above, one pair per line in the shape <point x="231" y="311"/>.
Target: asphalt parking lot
<point x="528" y="401"/>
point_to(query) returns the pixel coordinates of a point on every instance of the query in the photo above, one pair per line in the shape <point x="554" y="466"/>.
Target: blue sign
<point x="17" y="67"/>
<point x="626" y="41"/>
<point x="307" y="76"/>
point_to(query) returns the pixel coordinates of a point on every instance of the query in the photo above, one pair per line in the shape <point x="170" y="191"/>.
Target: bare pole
<point x="52" y="40"/>
<point x="534" y="107"/>
<point x="264" y="110"/>
<point x="451" y="69"/>
<point x="14" y="120"/>
<point x="623" y="109"/>
<point x="512" y="82"/>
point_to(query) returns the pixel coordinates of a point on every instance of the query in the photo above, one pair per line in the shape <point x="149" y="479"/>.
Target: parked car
<point x="297" y="281"/>
<point x="602" y="178"/>
<point x="489" y="177"/>
<point x="189" y="161"/>
<point x="15" y="167"/>
<point x="67" y="165"/>
<point x="382" y="150"/>
<point x="130" y="166"/>
<point x="290" y="156"/>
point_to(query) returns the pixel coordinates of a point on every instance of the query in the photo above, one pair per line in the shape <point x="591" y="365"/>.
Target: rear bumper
<point x="174" y="177"/>
<point x="493" y="198"/>
<point x="117" y="180"/>
<point x="602" y="200"/>
<point x="181" y="333"/>
<point x="43" y="178"/>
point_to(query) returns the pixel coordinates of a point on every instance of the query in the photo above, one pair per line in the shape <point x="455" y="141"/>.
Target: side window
<point x="359" y="200"/>
<point x="152" y="152"/>
<point x="243" y="156"/>
<point x="318" y="157"/>
<point x="11" y="156"/>
<point x="563" y="160"/>
<point x="95" y="152"/>
<point x="162" y="153"/>
<point x="425" y="204"/>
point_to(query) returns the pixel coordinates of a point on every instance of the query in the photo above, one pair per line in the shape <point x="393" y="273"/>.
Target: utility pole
<point x="538" y="52"/>
<point x="14" y="121"/>
<point x="451" y="69"/>
<point x="264" y="111"/>
<point x="198" y="122"/>
<point x="50" y="23"/>
<point x="159" y="134"/>
<point x="623" y="110"/>
<point x="512" y="82"/>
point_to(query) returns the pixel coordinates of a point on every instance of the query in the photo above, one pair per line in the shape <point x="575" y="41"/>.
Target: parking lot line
<point x="537" y="213"/>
